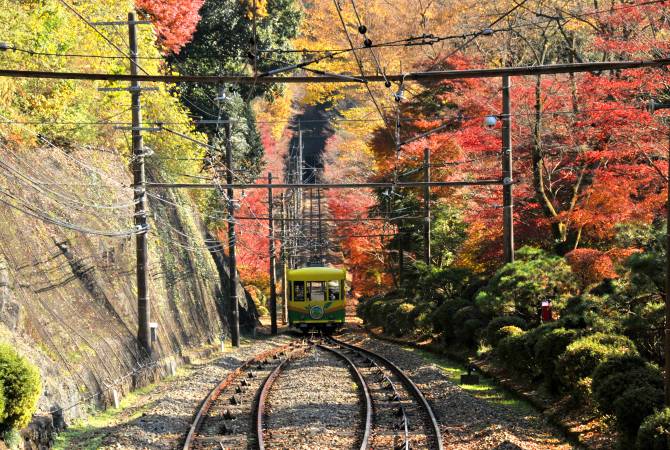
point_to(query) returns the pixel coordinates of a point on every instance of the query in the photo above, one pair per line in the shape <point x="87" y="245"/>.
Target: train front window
<point x="317" y="291"/>
<point x="334" y="291"/>
<point x="298" y="291"/>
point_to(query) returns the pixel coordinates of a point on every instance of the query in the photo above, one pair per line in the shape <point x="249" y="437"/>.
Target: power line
<point x="550" y="69"/>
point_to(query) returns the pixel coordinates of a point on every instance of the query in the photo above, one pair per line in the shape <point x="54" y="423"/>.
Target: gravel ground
<point x="161" y="419"/>
<point x="314" y="404"/>
<point x="467" y="422"/>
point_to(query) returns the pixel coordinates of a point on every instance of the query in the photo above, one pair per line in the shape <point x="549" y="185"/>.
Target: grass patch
<point x="487" y="389"/>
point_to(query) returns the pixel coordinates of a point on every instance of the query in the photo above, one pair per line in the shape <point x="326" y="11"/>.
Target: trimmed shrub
<point x="582" y="356"/>
<point x="654" y="433"/>
<point x="467" y="322"/>
<point x="443" y="317"/>
<point x="620" y="373"/>
<point x="519" y="288"/>
<point x="492" y="335"/>
<point x="634" y="405"/>
<point x="401" y="320"/>
<point x="547" y="350"/>
<point x="511" y="350"/>
<point x="21" y="388"/>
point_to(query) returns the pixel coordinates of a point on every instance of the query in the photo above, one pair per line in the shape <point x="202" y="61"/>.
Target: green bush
<point x="654" y="433"/>
<point x="620" y="373"/>
<point x="467" y="323"/>
<point x="492" y="335"/>
<point x="582" y="356"/>
<point x="519" y="288"/>
<point x="512" y="351"/>
<point x="547" y="350"/>
<point x="21" y="388"/>
<point x="635" y="404"/>
<point x="443" y="317"/>
<point x="401" y="320"/>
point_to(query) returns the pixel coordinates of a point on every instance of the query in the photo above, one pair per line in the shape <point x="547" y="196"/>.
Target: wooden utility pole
<point x="232" y="269"/>
<point x="426" y="207"/>
<point x="320" y="229"/>
<point x="271" y="236"/>
<point x="139" y="184"/>
<point x="284" y="312"/>
<point x="508" y="200"/>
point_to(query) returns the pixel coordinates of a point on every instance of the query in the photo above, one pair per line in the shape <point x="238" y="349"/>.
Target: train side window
<point x="316" y="291"/>
<point x="298" y="291"/>
<point x="334" y="291"/>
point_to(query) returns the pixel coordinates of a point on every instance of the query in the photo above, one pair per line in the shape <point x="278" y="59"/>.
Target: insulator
<point x="367" y="42"/>
<point x="362" y="29"/>
<point x="387" y="84"/>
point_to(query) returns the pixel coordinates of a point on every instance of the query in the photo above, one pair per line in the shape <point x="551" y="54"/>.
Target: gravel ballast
<point x="161" y="419"/>
<point x="314" y="404"/>
<point x="466" y="422"/>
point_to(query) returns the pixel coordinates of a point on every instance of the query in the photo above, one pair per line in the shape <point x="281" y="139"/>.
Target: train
<point x="316" y="300"/>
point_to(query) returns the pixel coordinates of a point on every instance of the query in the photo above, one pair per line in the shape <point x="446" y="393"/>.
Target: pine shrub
<point x="654" y="433"/>
<point x="21" y="388"/>
<point x="492" y="329"/>
<point x="618" y="374"/>
<point x="582" y="356"/>
<point x="547" y="350"/>
<point x="512" y="351"/>
<point x="634" y="405"/>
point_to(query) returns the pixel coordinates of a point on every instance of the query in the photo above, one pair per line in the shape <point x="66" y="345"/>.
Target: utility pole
<point x="300" y="205"/>
<point x="139" y="186"/>
<point x="426" y="207"/>
<point x="653" y="106"/>
<point x="284" y="312"/>
<point x="320" y="229"/>
<point x="273" y="288"/>
<point x="507" y="174"/>
<point x="232" y="269"/>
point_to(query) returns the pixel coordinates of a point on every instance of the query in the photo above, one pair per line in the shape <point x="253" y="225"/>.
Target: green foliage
<point x="443" y="317"/>
<point x="467" y="323"/>
<point x="221" y="44"/>
<point x="492" y="329"/>
<point x="520" y="287"/>
<point x="401" y="321"/>
<point x="635" y="404"/>
<point x="618" y="374"/>
<point x="512" y="350"/>
<point x="21" y="386"/>
<point x="547" y="350"/>
<point x="582" y="356"/>
<point x="448" y="233"/>
<point x="654" y="433"/>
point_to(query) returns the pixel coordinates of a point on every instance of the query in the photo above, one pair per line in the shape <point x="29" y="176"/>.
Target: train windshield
<point x="317" y="291"/>
<point x="334" y="291"/>
<point x="298" y="291"/>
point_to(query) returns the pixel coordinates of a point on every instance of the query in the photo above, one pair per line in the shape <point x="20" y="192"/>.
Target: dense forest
<point x="590" y="177"/>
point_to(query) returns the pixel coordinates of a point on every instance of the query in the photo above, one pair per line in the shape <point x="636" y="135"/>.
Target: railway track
<point x="224" y="418"/>
<point x="393" y="411"/>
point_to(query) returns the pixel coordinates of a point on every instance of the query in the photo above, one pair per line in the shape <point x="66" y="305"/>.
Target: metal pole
<point x="666" y="343"/>
<point x="232" y="274"/>
<point x="284" y="312"/>
<point x="322" y="252"/>
<point x="139" y="181"/>
<point x="273" y="288"/>
<point x="426" y="207"/>
<point x="508" y="200"/>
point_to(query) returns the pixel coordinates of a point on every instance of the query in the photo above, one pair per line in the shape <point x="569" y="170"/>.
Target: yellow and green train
<point x="316" y="298"/>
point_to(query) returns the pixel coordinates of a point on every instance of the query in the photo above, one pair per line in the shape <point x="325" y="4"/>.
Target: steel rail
<point x="366" y="393"/>
<point x="433" y="75"/>
<point x="407" y="382"/>
<point x="224" y="384"/>
<point x="259" y="413"/>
